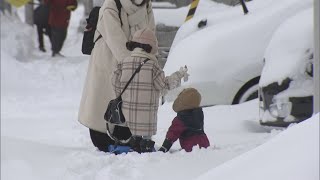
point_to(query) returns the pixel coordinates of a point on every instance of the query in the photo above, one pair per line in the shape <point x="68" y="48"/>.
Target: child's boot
<point x="135" y="143"/>
<point x="147" y="145"/>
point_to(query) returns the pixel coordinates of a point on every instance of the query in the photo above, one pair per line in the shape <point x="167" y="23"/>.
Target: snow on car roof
<point x="289" y="48"/>
<point x="236" y="37"/>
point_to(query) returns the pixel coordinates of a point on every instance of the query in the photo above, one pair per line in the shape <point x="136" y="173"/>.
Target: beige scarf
<point x="137" y="15"/>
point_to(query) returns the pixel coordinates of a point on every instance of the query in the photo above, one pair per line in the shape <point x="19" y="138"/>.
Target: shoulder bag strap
<point x="100" y="36"/>
<point x="119" y="6"/>
<point x="135" y="72"/>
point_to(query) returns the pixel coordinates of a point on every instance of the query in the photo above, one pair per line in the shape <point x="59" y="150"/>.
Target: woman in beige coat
<point x="108" y="51"/>
<point x="140" y="100"/>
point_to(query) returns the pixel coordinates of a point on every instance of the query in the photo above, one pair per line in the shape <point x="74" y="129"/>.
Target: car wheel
<point x="248" y="92"/>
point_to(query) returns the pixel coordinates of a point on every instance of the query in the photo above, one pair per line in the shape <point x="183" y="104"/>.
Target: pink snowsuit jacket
<point x="187" y="126"/>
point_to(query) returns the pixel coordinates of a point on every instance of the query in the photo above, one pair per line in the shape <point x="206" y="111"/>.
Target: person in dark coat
<point x="187" y="126"/>
<point x="40" y="19"/>
<point x="59" y="16"/>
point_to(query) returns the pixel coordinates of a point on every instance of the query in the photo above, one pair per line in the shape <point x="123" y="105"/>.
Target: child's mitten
<point x="166" y="145"/>
<point x="183" y="73"/>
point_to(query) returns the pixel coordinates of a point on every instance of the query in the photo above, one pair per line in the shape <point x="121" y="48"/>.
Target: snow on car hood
<point x="177" y="16"/>
<point x="290" y="47"/>
<point x="234" y="42"/>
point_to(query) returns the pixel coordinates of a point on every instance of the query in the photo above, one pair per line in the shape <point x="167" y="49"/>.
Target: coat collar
<point x="138" y="52"/>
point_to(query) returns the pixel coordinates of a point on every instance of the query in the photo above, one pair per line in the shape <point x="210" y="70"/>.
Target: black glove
<point x="165" y="146"/>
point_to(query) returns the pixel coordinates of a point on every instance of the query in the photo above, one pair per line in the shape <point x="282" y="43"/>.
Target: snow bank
<point x="16" y="37"/>
<point x="25" y="71"/>
<point x="293" y="154"/>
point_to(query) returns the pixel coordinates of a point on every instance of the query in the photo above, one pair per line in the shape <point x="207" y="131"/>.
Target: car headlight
<point x="280" y="109"/>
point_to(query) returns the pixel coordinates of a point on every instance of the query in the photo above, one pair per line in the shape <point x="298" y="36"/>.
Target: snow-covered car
<point x="225" y="57"/>
<point x="166" y="28"/>
<point x="286" y="84"/>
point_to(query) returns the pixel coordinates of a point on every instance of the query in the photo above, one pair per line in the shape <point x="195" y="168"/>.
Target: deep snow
<point x="42" y="139"/>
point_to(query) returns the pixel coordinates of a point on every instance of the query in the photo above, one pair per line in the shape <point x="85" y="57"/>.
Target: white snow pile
<point x="42" y="139"/>
<point x="16" y="37"/>
<point x="291" y="155"/>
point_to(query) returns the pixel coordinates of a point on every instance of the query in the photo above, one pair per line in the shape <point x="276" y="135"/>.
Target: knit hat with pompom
<point x="146" y="36"/>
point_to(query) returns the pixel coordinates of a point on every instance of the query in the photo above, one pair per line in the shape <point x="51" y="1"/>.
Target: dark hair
<point x="141" y="4"/>
<point x="131" y="45"/>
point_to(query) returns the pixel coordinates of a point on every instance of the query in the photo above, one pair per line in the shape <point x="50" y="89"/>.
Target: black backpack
<point x="92" y="20"/>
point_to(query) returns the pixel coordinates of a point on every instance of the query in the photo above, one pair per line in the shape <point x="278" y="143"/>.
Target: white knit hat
<point x="146" y="36"/>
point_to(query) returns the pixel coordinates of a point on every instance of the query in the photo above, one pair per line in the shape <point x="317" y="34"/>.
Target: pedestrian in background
<point x="59" y="17"/>
<point x="40" y="19"/>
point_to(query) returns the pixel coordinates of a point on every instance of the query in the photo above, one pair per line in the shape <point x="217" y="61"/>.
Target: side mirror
<point x="202" y="23"/>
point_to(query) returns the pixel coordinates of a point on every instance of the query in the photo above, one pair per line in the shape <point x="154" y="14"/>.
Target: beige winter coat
<point x="140" y="100"/>
<point x="108" y="50"/>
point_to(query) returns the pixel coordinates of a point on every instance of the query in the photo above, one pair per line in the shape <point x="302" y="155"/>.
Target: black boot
<point x="147" y="145"/>
<point x="41" y="48"/>
<point x="135" y="143"/>
<point x="57" y="54"/>
<point x="100" y="140"/>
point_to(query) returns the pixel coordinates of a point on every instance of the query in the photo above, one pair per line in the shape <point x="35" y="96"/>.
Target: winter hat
<point x="189" y="98"/>
<point x="146" y="36"/>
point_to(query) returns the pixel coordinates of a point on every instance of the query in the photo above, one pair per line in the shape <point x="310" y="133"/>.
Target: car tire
<point x="247" y="92"/>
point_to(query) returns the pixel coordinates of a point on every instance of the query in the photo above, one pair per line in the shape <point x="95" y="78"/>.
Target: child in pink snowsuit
<point x="187" y="126"/>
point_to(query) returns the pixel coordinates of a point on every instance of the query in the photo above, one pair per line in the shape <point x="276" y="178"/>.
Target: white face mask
<point x="138" y="2"/>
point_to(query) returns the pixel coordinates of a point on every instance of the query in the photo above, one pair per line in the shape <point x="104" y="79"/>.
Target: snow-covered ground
<point x="42" y="139"/>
